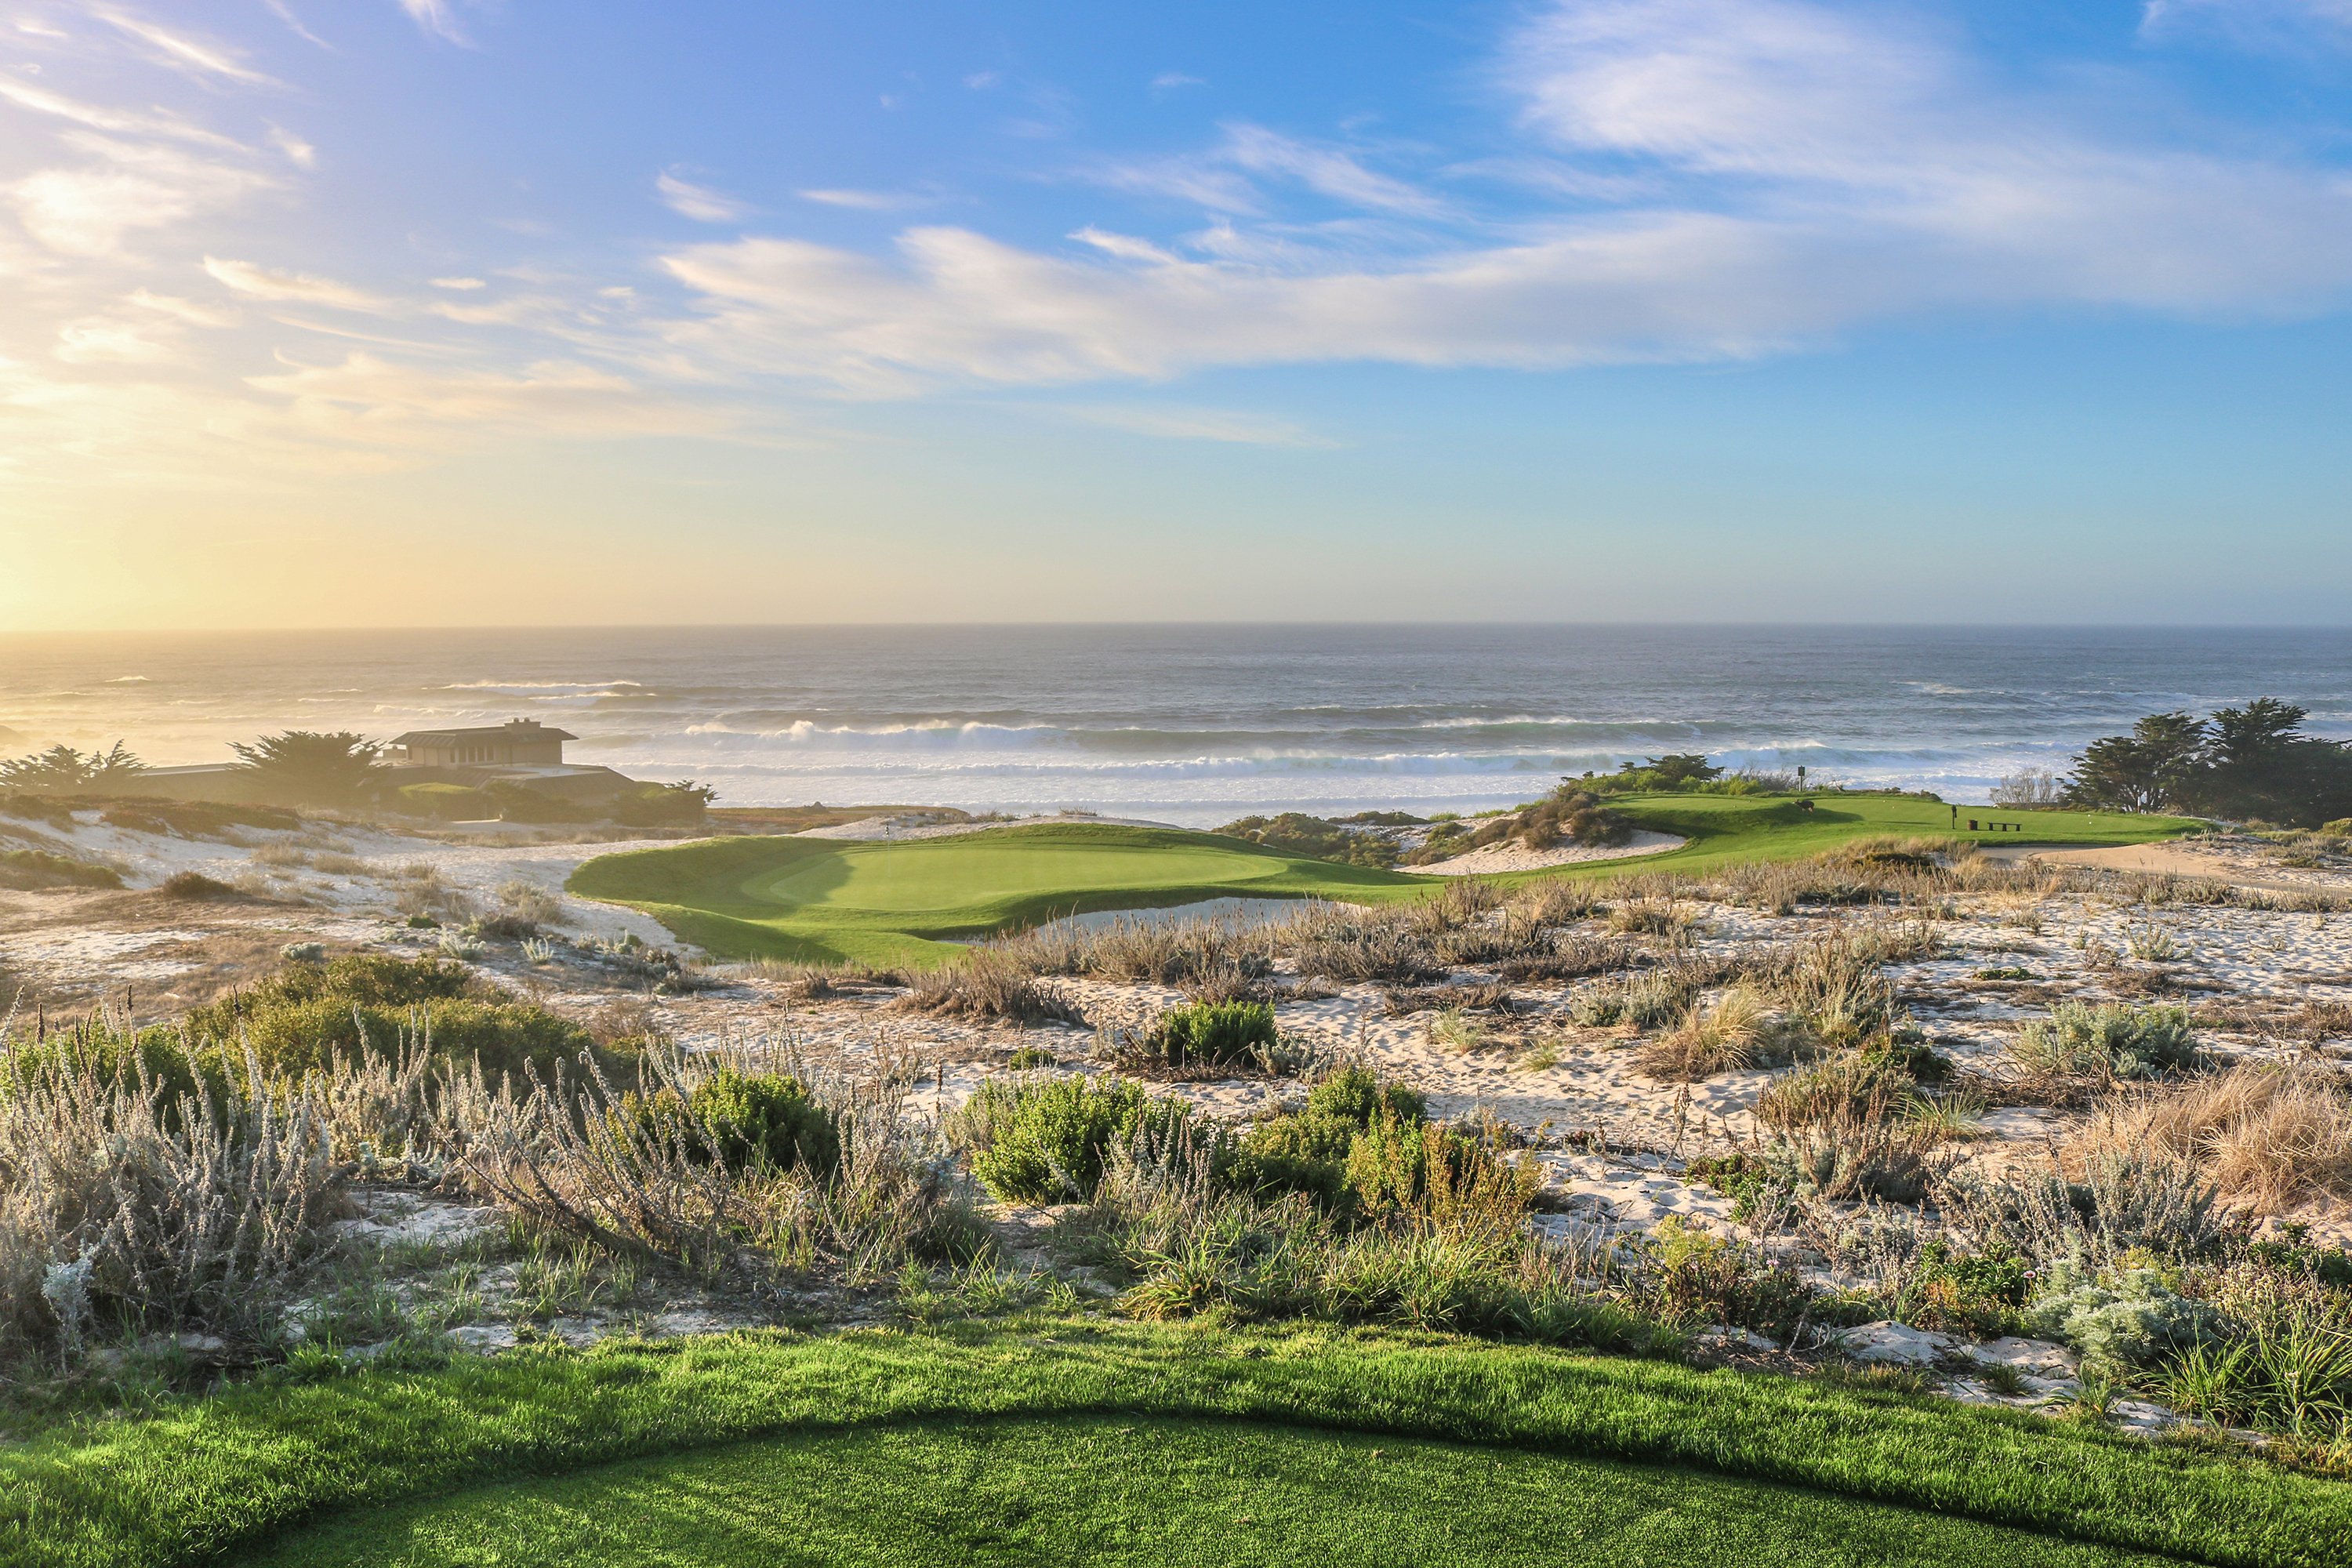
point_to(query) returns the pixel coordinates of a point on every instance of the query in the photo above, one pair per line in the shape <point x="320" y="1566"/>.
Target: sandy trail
<point x="2174" y="859"/>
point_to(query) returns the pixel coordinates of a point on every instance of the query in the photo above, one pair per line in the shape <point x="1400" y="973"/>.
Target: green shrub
<point x="1303" y="1154"/>
<point x="1046" y="1142"/>
<point x="1978" y="1294"/>
<point x="377" y="979"/>
<point x="30" y="870"/>
<point x="519" y="803"/>
<point x="196" y="888"/>
<point x="1441" y="1173"/>
<point x="447" y="802"/>
<point x="662" y="805"/>
<point x="506" y="1037"/>
<point x="1295" y="833"/>
<point x="1213" y="1034"/>
<point x="1358" y="1095"/>
<point x="740" y="1121"/>
<point x="2113" y="1040"/>
<point x="157" y="1055"/>
<point x="2130" y="1320"/>
<point x="301" y="1018"/>
<point x="1307" y="1151"/>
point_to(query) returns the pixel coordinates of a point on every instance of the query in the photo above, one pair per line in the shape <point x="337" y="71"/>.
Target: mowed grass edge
<point x="706" y="891"/>
<point x="203" y="1478"/>
<point x="1145" y="1492"/>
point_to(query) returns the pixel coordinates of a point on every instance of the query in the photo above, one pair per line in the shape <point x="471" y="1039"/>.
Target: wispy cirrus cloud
<point x="117" y="187"/>
<point x="439" y="18"/>
<point x="1765" y="175"/>
<point x="183" y="51"/>
<point x="700" y="202"/>
<point x="257" y="282"/>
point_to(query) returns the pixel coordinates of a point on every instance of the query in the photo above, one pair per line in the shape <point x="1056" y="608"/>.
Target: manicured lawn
<point x="855" y="1429"/>
<point x="827" y="900"/>
<point x="831" y="901"/>
<point x="1726" y="830"/>
<point x="1103" y="1490"/>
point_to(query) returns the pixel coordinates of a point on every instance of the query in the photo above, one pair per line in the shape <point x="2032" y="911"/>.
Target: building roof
<point x="512" y="730"/>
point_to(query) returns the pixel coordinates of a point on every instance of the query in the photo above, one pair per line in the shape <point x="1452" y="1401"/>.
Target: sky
<point x="463" y="313"/>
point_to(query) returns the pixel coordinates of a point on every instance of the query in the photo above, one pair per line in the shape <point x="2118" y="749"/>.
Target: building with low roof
<point x="516" y="743"/>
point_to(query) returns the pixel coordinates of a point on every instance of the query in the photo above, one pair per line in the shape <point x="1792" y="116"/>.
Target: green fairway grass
<point x="1108" y="1490"/>
<point x="832" y="902"/>
<point x="384" y="1460"/>
<point x="1726" y="830"/>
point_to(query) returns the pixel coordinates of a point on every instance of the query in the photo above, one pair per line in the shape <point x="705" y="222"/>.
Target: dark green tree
<point x="330" y="769"/>
<point x="2154" y="768"/>
<point x="1682" y="768"/>
<point x="61" y="769"/>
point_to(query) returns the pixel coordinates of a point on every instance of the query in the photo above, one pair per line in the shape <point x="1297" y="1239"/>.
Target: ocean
<point x="1192" y="724"/>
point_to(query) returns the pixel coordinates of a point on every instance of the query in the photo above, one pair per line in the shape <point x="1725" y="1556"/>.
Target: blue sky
<point x="404" y="311"/>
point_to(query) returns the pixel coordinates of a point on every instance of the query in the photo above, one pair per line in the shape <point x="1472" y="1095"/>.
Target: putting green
<point x="822" y="900"/>
<point x="1105" y="1490"/>
<point x="832" y="900"/>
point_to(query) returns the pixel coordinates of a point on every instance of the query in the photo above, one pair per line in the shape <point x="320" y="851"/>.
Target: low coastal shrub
<point x="446" y="802"/>
<point x="307" y="1014"/>
<point x="991" y="982"/>
<point x="1642" y="1001"/>
<point x="740" y="1121"/>
<point x="1295" y="833"/>
<point x="1845" y="1129"/>
<point x="1046" y="1142"/>
<point x="34" y="871"/>
<point x="195" y="887"/>
<point x="2086" y="1043"/>
<point x="1206" y="1037"/>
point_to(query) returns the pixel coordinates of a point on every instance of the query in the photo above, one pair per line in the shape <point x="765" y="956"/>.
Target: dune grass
<point x="1114" y="1490"/>
<point x="219" y="1477"/>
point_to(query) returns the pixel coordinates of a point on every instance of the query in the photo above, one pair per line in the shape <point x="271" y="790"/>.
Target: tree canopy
<point x="2252" y="763"/>
<point x="309" y="765"/>
<point x="61" y="769"/>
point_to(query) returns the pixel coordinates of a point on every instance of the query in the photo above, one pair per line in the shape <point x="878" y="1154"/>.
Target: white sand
<point x="1513" y="856"/>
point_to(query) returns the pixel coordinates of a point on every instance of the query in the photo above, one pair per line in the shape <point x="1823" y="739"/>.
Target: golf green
<point x="1104" y="1490"/>
<point x="823" y="900"/>
<point x="832" y="900"/>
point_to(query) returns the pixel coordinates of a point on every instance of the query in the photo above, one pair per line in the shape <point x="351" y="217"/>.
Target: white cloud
<point x="438" y="17"/>
<point x="459" y="283"/>
<point x="699" y="202"/>
<point x="87" y="210"/>
<point x="1770" y="173"/>
<point x="196" y="56"/>
<point x="117" y="339"/>
<point x="98" y="117"/>
<point x="367" y="397"/>
<point x="864" y="201"/>
<point x="285" y="13"/>
<point x="300" y="287"/>
<point x="1220" y="179"/>
<point x="299" y="153"/>
<point x="171" y="305"/>
<point x="1168" y="81"/>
